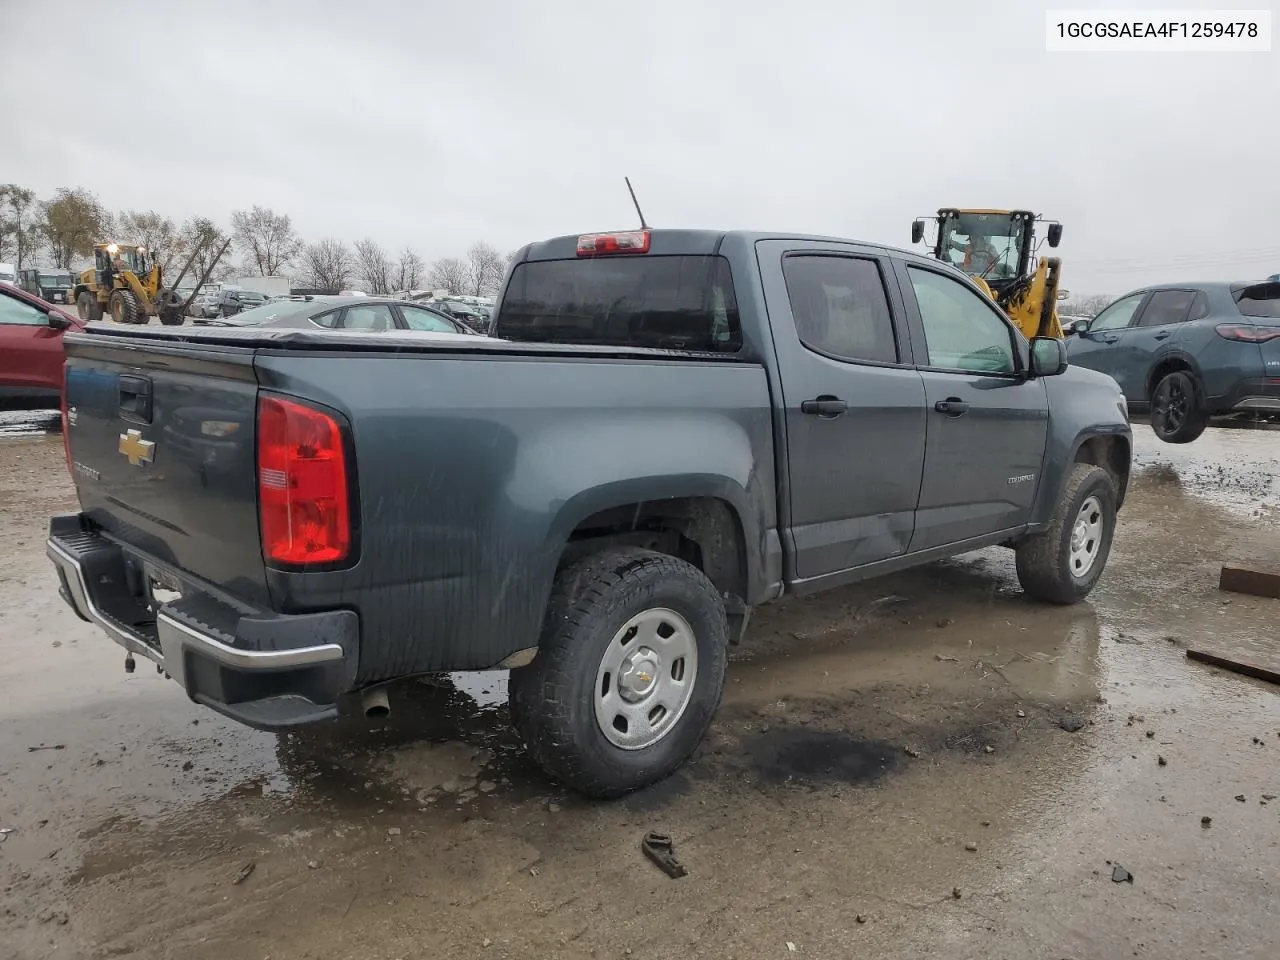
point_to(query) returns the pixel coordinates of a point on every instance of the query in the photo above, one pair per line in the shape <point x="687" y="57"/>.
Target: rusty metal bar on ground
<point x="1235" y="666"/>
<point x="1259" y="583"/>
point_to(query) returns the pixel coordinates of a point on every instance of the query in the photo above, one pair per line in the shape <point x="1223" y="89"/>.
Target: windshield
<point x="55" y="281"/>
<point x="983" y="245"/>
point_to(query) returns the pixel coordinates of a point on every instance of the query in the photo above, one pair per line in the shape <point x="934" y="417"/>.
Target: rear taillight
<point x="303" y="498"/>
<point x="1247" y="333"/>
<point x="598" y="244"/>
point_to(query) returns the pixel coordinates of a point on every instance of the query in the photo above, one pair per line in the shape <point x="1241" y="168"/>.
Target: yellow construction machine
<point x="125" y="282"/>
<point x="996" y="248"/>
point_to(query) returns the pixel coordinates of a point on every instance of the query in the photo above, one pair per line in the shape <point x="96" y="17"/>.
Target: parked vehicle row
<point x="366" y="314"/>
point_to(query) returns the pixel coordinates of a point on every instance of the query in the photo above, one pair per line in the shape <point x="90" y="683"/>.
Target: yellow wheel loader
<point x="125" y="283"/>
<point x="996" y="248"/>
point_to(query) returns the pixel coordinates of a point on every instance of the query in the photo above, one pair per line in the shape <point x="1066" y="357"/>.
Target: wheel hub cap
<point x="639" y="675"/>
<point x="646" y="678"/>
<point x="1086" y="537"/>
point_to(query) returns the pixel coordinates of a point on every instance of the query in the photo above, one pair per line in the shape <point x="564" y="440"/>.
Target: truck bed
<point x="466" y="460"/>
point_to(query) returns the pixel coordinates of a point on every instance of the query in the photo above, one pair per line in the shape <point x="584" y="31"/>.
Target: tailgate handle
<point x="135" y="398"/>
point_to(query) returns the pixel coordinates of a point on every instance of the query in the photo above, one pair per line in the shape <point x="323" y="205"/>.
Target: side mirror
<point x="58" y="321"/>
<point x="917" y="231"/>
<point x="1048" y="356"/>
<point x="1055" y="234"/>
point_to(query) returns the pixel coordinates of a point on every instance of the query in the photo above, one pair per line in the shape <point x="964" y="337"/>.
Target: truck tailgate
<point x="162" y="450"/>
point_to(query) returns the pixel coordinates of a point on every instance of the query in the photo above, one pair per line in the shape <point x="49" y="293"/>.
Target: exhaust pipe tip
<point x="375" y="704"/>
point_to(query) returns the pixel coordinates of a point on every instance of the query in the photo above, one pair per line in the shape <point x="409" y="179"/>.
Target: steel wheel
<point x="646" y="678"/>
<point x="1086" y="537"/>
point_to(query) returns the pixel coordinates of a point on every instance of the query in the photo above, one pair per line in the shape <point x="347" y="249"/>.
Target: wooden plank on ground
<point x="1257" y="671"/>
<point x="1260" y="583"/>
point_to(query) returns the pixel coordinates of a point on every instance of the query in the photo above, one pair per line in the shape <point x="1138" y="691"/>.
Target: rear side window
<point x="1166" y="307"/>
<point x="840" y="307"/>
<point x="1262" y="300"/>
<point x="673" y="303"/>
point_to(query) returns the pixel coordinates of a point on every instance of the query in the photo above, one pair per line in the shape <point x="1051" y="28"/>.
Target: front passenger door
<point x="987" y="424"/>
<point x="1101" y="346"/>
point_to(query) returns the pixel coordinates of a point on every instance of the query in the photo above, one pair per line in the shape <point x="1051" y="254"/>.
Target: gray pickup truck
<point x="668" y="428"/>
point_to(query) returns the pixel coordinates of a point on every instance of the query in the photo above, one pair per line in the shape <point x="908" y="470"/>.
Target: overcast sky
<point x="435" y="123"/>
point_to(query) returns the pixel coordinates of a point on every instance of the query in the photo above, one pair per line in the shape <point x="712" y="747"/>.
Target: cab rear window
<point x="667" y="302"/>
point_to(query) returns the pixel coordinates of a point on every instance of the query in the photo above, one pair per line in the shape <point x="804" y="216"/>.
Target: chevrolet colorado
<point x="668" y="428"/>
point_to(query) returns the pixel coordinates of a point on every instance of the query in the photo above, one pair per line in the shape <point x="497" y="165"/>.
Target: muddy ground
<point x="889" y="776"/>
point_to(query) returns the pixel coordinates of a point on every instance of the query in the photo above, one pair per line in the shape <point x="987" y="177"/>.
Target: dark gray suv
<point x="1188" y="351"/>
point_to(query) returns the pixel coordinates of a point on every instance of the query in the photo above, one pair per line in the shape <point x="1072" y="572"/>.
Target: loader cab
<point x="994" y="245"/>
<point x="120" y="257"/>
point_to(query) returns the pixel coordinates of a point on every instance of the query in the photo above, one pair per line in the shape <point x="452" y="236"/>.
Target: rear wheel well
<point x="1166" y="367"/>
<point x="1112" y="455"/>
<point x="703" y="531"/>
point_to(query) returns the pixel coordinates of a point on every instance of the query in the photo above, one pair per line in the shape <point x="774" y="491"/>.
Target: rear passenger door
<point x="987" y="424"/>
<point x="853" y="404"/>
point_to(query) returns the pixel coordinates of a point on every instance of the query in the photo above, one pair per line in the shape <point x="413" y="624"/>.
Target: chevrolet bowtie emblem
<point x="138" y="451"/>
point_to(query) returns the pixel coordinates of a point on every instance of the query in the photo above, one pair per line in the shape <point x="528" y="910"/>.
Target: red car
<point x="31" y="346"/>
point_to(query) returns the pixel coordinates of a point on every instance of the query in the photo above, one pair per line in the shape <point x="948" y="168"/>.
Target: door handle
<point x="1163" y="335"/>
<point x="952" y="407"/>
<point x="825" y="406"/>
<point x="135" y="398"/>
<point x="1110" y="339"/>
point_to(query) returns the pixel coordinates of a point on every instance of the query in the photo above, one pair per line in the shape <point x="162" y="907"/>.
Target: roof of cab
<point x="676" y="242"/>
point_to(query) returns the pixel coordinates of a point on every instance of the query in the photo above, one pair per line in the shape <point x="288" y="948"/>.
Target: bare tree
<point x="409" y="271"/>
<point x="18" y="213"/>
<point x="155" y="232"/>
<point x="484" y="269"/>
<point x="267" y="238"/>
<point x="71" y="223"/>
<point x="328" y="265"/>
<point x="205" y="238"/>
<point x="448" y="273"/>
<point x="372" y="267"/>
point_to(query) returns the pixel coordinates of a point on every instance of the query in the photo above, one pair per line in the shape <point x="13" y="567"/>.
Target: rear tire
<point x="606" y="728"/>
<point x="124" y="307"/>
<point x="87" y="307"/>
<point x="1062" y="563"/>
<point x="1177" y="408"/>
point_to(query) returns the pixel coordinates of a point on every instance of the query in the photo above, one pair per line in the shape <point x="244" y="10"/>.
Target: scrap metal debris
<point x="244" y="873"/>
<point x="1243" y="667"/>
<point x="659" y="848"/>
<point x="1120" y="875"/>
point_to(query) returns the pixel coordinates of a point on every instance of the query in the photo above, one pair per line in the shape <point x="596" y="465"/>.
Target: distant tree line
<point x="1085" y="306"/>
<point x="61" y="231"/>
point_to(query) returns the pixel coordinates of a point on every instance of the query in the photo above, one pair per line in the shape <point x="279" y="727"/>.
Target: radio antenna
<point x="643" y="225"/>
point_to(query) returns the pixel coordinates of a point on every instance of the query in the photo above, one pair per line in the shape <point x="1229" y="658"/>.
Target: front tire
<point x="1177" y="408"/>
<point x="1062" y="563"/>
<point x="87" y="307"/>
<point x="124" y="307"/>
<point x="629" y="672"/>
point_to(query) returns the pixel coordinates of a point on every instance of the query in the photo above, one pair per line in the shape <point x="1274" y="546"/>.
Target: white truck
<point x="267" y="286"/>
